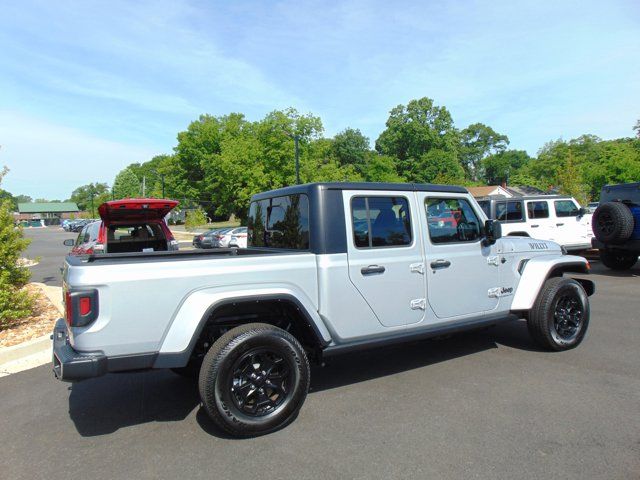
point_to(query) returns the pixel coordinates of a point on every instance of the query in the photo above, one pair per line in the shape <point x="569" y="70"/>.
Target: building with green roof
<point x="49" y="212"/>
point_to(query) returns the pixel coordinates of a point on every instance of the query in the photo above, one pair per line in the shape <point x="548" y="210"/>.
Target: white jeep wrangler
<point x="330" y="268"/>
<point x="547" y="217"/>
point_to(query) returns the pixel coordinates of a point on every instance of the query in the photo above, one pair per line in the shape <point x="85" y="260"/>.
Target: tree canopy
<point x="220" y="161"/>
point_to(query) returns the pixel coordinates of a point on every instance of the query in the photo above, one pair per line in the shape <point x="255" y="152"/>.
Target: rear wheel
<point x="618" y="260"/>
<point x="254" y="380"/>
<point x="560" y="316"/>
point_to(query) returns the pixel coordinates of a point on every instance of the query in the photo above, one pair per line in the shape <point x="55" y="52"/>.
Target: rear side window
<point x="279" y="222"/>
<point x="566" y="208"/>
<point x="538" y="209"/>
<point x="452" y="220"/>
<point x="94" y="230"/>
<point x="380" y="222"/>
<point x="509" y="211"/>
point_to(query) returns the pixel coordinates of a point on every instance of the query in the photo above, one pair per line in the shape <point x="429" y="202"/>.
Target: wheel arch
<point x="205" y="310"/>
<point x="539" y="269"/>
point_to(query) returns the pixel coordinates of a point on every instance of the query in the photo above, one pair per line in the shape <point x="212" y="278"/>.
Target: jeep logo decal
<point x="538" y="246"/>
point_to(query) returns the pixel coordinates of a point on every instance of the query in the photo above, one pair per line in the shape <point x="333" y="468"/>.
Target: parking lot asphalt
<point x="46" y="244"/>
<point x="483" y="404"/>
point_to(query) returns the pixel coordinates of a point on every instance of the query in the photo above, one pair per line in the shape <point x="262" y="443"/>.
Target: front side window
<point x="566" y="208"/>
<point x="380" y="222"/>
<point x="452" y="220"/>
<point x="485" y="205"/>
<point x="279" y="222"/>
<point x="538" y="209"/>
<point x="510" y="211"/>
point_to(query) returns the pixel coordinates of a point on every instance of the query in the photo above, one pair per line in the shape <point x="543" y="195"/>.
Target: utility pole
<point x="162" y="177"/>
<point x="144" y="185"/>
<point x="92" y="193"/>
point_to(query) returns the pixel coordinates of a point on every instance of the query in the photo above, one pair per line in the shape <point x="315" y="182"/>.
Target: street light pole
<point x="295" y="140"/>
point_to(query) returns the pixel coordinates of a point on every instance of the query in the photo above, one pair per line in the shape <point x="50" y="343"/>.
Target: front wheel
<point x="560" y="316"/>
<point x="254" y="379"/>
<point x="618" y="260"/>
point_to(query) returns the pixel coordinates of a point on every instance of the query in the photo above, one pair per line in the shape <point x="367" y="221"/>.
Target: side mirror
<point x="582" y="212"/>
<point x="69" y="242"/>
<point x="492" y="232"/>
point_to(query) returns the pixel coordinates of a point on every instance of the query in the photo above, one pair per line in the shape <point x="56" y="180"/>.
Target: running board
<point x="436" y="331"/>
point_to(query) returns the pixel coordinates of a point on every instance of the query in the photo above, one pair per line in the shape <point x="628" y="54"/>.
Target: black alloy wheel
<point x="260" y="382"/>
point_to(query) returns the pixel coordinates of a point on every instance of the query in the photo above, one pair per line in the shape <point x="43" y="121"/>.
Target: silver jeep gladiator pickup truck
<point x="330" y="268"/>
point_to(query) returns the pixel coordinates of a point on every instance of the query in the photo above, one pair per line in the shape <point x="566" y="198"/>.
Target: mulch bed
<point x="40" y="323"/>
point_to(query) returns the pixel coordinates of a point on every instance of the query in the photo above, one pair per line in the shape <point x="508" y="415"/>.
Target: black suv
<point x="616" y="226"/>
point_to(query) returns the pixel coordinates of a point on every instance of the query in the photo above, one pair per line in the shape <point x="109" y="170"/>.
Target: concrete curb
<point x="24" y="349"/>
<point x="15" y="358"/>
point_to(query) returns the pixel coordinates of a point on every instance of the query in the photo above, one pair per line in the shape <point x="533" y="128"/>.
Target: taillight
<point x="81" y="307"/>
<point x="68" y="307"/>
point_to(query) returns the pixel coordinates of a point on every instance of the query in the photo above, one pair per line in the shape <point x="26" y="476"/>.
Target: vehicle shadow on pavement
<point x="103" y="405"/>
<point x="367" y="365"/>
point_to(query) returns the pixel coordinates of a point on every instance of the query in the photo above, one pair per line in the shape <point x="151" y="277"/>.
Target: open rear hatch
<point x="135" y="209"/>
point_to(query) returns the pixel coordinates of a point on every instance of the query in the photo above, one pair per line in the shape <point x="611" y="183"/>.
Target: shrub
<point x="195" y="218"/>
<point x="14" y="302"/>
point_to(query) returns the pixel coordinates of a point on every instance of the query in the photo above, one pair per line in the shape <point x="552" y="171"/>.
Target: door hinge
<point x="494" y="260"/>
<point x="419" y="304"/>
<point x="417" y="268"/>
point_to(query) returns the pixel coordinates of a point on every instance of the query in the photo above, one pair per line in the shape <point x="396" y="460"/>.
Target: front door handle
<point x="535" y="226"/>
<point x="372" y="270"/>
<point x="440" y="264"/>
<point x="559" y="224"/>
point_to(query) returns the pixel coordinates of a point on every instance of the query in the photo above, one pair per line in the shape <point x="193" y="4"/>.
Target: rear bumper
<point x="629" y="245"/>
<point x="578" y="247"/>
<point x="70" y="365"/>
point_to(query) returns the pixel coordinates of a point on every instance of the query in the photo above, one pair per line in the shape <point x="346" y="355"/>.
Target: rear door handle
<point x="372" y="270"/>
<point x="535" y="226"/>
<point x="559" y="224"/>
<point x="440" y="264"/>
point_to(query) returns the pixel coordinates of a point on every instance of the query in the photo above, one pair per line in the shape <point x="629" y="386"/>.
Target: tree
<point x="438" y="166"/>
<point x="92" y="194"/>
<point x="126" y="184"/>
<point x="195" y="218"/>
<point x="636" y="127"/>
<point x="570" y="181"/>
<point x="413" y="131"/>
<point x="380" y="168"/>
<point x="23" y="199"/>
<point x="350" y="147"/>
<point x="15" y="303"/>
<point x="500" y="167"/>
<point x="476" y="142"/>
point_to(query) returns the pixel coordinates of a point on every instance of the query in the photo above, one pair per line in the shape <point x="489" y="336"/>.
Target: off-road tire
<point x="219" y="370"/>
<point x="612" y="222"/>
<point x="543" y="318"/>
<point x="618" y="260"/>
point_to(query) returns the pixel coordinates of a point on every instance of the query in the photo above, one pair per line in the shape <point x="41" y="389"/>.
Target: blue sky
<point x="88" y="87"/>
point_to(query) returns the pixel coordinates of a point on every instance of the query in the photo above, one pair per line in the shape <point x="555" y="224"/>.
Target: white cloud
<point x="49" y="161"/>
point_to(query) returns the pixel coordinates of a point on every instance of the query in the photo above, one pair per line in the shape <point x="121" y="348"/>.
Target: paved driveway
<point x="481" y="405"/>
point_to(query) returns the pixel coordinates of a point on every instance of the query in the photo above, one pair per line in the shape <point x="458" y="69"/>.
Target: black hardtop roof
<point x="400" y="187"/>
